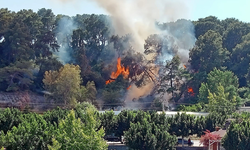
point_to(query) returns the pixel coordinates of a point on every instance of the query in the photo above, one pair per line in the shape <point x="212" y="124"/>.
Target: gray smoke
<point x="139" y="17"/>
<point x="178" y="39"/>
<point x="64" y="32"/>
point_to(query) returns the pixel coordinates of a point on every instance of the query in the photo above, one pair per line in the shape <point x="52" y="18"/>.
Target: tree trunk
<point x="171" y="82"/>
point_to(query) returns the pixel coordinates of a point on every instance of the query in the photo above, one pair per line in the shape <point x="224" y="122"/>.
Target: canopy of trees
<point x="84" y="128"/>
<point x="32" y="47"/>
<point x="56" y="129"/>
<point x="71" y="58"/>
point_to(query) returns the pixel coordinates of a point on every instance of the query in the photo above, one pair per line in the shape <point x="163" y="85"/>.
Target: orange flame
<point x="185" y="66"/>
<point x="128" y="87"/>
<point x="109" y="81"/>
<point x="191" y="91"/>
<point x="120" y="70"/>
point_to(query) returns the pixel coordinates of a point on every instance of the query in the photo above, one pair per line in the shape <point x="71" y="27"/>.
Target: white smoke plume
<point x="139" y="17"/>
<point x="64" y="32"/>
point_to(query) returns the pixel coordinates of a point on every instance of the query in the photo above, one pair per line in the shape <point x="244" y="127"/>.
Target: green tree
<point x="16" y="45"/>
<point x="234" y="32"/>
<point x="87" y="68"/>
<point x="55" y="115"/>
<point x="171" y="80"/>
<point x="17" y="76"/>
<point x="64" y="84"/>
<point x="237" y="137"/>
<point x="182" y="125"/>
<point x="80" y="111"/>
<point x="108" y="122"/>
<point x="239" y="61"/>
<point x="220" y="102"/>
<point x="34" y="133"/>
<point x="199" y="107"/>
<point x="73" y="134"/>
<point x="200" y="125"/>
<point x="82" y="95"/>
<point x="148" y="136"/>
<point x="47" y="64"/>
<point x="87" y="93"/>
<point x="214" y="119"/>
<point x="216" y="78"/>
<point x="9" y="118"/>
<point x="209" y="23"/>
<point x="123" y="121"/>
<point x="6" y="17"/>
<point x="208" y="52"/>
<point x="55" y="145"/>
<point x="46" y="41"/>
<point x="91" y="91"/>
<point x="241" y="116"/>
<point x="96" y="35"/>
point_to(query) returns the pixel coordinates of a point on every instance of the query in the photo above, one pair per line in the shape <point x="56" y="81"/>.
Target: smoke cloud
<point x="64" y="32"/>
<point x="140" y="17"/>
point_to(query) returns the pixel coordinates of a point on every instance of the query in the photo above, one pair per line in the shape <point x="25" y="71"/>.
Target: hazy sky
<point x="195" y="8"/>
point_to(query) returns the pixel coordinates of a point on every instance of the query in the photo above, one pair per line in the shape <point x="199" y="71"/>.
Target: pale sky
<point x="222" y="9"/>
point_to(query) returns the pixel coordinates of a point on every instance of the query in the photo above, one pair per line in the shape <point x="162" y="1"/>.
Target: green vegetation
<point x="148" y="136"/>
<point x="73" y="134"/>
<point x="56" y="129"/>
<point x="30" y="42"/>
<point x="84" y="128"/>
<point x="64" y="84"/>
<point x="237" y="137"/>
<point x="215" y="78"/>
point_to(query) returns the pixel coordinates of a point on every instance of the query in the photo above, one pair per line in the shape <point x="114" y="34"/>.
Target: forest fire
<point x="109" y="81"/>
<point x="120" y="70"/>
<point x="185" y="66"/>
<point x="191" y="91"/>
<point x="128" y="87"/>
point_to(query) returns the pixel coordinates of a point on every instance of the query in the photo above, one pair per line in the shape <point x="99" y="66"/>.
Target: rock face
<point x="23" y="100"/>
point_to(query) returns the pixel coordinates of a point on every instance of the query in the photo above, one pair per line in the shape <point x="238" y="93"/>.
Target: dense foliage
<point x="56" y="129"/>
<point x="72" y="60"/>
<point x="73" y="134"/>
<point x="148" y="136"/>
<point x="35" y="47"/>
<point x="237" y="137"/>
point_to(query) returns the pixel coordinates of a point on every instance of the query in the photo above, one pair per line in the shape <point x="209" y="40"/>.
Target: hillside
<point x="180" y="62"/>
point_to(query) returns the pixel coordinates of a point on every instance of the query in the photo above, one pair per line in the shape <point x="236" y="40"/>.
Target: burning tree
<point x="138" y="70"/>
<point x="191" y="91"/>
<point x="172" y="80"/>
<point x="141" y="69"/>
<point x="132" y="68"/>
<point x="171" y="76"/>
<point x="121" y="70"/>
